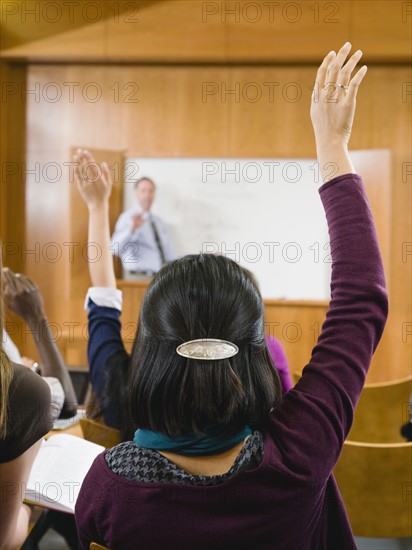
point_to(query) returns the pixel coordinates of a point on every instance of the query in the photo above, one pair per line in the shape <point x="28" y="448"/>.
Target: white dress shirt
<point x="104" y="296"/>
<point x="138" y="249"/>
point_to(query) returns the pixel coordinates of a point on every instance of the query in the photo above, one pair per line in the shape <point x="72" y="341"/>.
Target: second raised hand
<point x="93" y="181"/>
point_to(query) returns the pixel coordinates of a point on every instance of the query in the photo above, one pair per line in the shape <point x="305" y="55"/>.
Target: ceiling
<point x="25" y="21"/>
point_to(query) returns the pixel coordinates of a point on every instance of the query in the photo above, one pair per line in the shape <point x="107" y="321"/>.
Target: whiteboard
<point x="266" y="214"/>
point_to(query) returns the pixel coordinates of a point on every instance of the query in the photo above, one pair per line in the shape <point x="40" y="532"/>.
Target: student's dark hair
<point x="201" y="296"/>
<point x="144" y="178"/>
<point x="116" y="393"/>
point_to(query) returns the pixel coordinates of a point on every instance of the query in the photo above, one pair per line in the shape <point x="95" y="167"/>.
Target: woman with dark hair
<point x="219" y="460"/>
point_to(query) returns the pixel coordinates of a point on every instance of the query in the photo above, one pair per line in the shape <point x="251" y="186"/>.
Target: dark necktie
<point x="157" y="239"/>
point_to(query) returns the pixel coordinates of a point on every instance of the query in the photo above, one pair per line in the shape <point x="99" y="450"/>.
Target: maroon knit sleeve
<point x="311" y="423"/>
<point x="94" y="493"/>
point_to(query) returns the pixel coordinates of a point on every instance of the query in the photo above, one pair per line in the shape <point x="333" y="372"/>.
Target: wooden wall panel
<point x="218" y="31"/>
<point x="283" y="30"/>
<point x="174" y="117"/>
<point x="173" y="29"/>
<point x="12" y="157"/>
<point x="34" y="20"/>
<point x="382" y="28"/>
<point x="3" y="156"/>
<point x="375" y="166"/>
<point x="296" y="325"/>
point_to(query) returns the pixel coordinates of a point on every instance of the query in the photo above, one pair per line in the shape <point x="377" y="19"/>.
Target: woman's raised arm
<point x="314" y="418"/>
<point x="94" y="183"/>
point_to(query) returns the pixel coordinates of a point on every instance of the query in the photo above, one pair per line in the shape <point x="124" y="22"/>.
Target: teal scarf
<point x="190" y="445"/>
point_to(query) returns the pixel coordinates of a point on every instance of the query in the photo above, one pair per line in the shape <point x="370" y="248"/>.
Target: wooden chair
<point x="376" y="485"/>
<point x="382" y="409"/>
<point x="96" y="546"/>
<point x="99" y="433"/>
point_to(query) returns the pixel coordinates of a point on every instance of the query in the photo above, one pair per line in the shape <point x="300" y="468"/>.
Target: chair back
<point x="382" y="409"/>
<point x="375" y="483"/>
<point x="99" y="433"/>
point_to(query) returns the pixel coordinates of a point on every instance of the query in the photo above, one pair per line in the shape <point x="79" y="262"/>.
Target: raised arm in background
<point x="95" y="189"/>
<point x="23" y="297"/>
<point x="107" y="358"/>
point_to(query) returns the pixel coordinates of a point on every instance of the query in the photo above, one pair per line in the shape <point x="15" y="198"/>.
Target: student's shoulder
<point x="29" y="413"/>
<point x="28" y="387"/>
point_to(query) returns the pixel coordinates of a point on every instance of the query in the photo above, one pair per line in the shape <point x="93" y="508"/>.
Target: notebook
<point x="59" y="470"/>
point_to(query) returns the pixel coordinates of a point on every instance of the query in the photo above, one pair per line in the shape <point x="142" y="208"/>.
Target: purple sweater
<point x="290" y="501"/>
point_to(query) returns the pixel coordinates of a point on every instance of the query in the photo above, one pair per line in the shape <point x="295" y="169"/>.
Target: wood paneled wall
<point x="169" y="115"/>
<point x="12" y="153"/>
<point x="245" y="93"/>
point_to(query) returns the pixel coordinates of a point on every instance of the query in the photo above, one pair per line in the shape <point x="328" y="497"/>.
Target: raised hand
<point x="334" y="96"/>
<point x="23" y="296"/>
<point x="137" y="221"/>
<point x="332" y="111"/>
<point x="93" y="181"/>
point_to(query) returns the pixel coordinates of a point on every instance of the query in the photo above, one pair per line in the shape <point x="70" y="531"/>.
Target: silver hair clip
<point x="207" y="349"/>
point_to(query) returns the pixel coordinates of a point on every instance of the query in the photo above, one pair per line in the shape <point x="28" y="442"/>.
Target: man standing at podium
<point x="140" y="238"/>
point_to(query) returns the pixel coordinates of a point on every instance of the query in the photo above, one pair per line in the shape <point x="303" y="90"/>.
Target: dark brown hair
<point x="201" y="296"/>
<point x="6" y="368"/>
